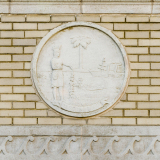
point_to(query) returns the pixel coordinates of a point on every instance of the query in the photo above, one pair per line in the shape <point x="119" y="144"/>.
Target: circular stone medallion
<point x="80" y="69"/>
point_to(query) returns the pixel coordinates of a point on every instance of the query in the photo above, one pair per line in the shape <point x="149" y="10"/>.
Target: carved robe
<point x="57" y="74"/>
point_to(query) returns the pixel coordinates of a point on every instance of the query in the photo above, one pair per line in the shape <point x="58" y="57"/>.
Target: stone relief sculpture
<point x="57" y="73"/>
<point x="81" y="70"/>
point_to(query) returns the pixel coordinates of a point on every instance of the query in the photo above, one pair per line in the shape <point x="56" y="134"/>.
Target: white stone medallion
<point x="80" y="69"/>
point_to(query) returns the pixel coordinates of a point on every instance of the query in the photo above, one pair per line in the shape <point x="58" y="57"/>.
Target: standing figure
<point x="57" y="74"/>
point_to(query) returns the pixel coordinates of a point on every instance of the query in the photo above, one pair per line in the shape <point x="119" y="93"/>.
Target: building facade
<point x="30" y="129"/>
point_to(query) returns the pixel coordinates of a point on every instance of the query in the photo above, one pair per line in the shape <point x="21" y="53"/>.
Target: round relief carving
<point x="80" y="69"/>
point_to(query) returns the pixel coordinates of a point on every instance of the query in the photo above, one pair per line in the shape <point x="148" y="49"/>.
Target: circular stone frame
<point x="39" y="47"/>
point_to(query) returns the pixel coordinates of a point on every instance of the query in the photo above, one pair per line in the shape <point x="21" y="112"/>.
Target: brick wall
<point x="19" y="34"/>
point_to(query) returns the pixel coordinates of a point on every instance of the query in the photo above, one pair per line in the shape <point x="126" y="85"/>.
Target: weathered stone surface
<point x="74" y="74"/>
<point x="79" y="142"/>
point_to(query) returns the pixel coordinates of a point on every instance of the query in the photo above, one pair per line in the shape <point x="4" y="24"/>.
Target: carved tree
<point x="80" y="42"/>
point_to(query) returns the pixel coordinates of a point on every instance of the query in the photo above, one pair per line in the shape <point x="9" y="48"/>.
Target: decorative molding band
<point x="79" y="142"/>
<point x="69" y="7"/>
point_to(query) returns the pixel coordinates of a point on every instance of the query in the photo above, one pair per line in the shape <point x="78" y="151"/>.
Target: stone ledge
<point x="79" y="130"/>
<point x="68" y="7"/>
<point x="79" y="0"/>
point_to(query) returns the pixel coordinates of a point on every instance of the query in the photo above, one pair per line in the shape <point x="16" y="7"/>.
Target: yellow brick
<point x="126" y="105"/>
<point x="5" y="26"/>
<point x="124" y="97"/>
<point x="41" y="105"/>
<point x="64" y="18"/>
<point x="149" y="42"/>
<point x="74" y="121"/>
<point x="24" y="42"/>
<point x="106" y="25"/>
<point x="24" y="26"/>
<point x="137" y="34"/>
<point x="24" y="121"/>
<point x="11" y="65"/>
<point x="155" y="50"/>
<point x="24" y="89"/>
<point x="29" y="49"/>
<point x="113" y="18"/>
<point x="28" y="81"/>
<point x="38" y="40"/>
<point x="155" y="66"/>
<point x="129" y="42"/>
<point x="35" y="113"/>
<point x="35" y="33"/>
<point x="137" y="97"/>
<point x="140" y="65"/>
<point x="5" y="105"/>
<point x="5" y="42"/>
<point x="149" y="58"/>
<point x="22" y="57"/>
<point x="136" y="113"/>
<point x="119" y="34"/>
<point x="148" y="121"/>
<point x="5" y="89"/>
<point x="11" y="50"/>
<point x="149" y="26"/>
<point x="38" y="18"/>
<point x="5" y="73"/>
<point x="148" y="105"/>
<point x="27" y="65"/>
<point x="133" y="58"/>
<point x="21" y="74"/>
<point x="137" y="50"/>
<point x="49" y="120"/>
<point x="149" y="73"/>
<point x="5" y="120"/>
<point x="23" y="105"/>
<point x="5" y="57"/>
<point x="155" y="81"/>
<point x="32" y="97"/>
<point x="96" y="121"/>
<point x="131" y="89"/>
<point x="44" y="26"/>
<point x="154" y="18"/>
<point x="12" y="97"/>
<point x="124" y="121"/>
<point x="154" y="97"/>
<point x="139" y="82"/>
<point x="123" y="26"/>
<point x="155" y="34"/>
<point x="14" y="34"/>
<point x="13" y="18"/>
<point x="14" y="113"/>
<point x="52" y="113"/>
<point x="89" y="18"/>
<point x="11" y="81"/>
<point x="154" y="112"/>
<point x="133" y="74"/>
<point x="137" y="19"/>
<point x="113" y="113"/>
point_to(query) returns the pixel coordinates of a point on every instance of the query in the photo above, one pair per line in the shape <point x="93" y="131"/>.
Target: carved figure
<point x="57" y="73"/>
